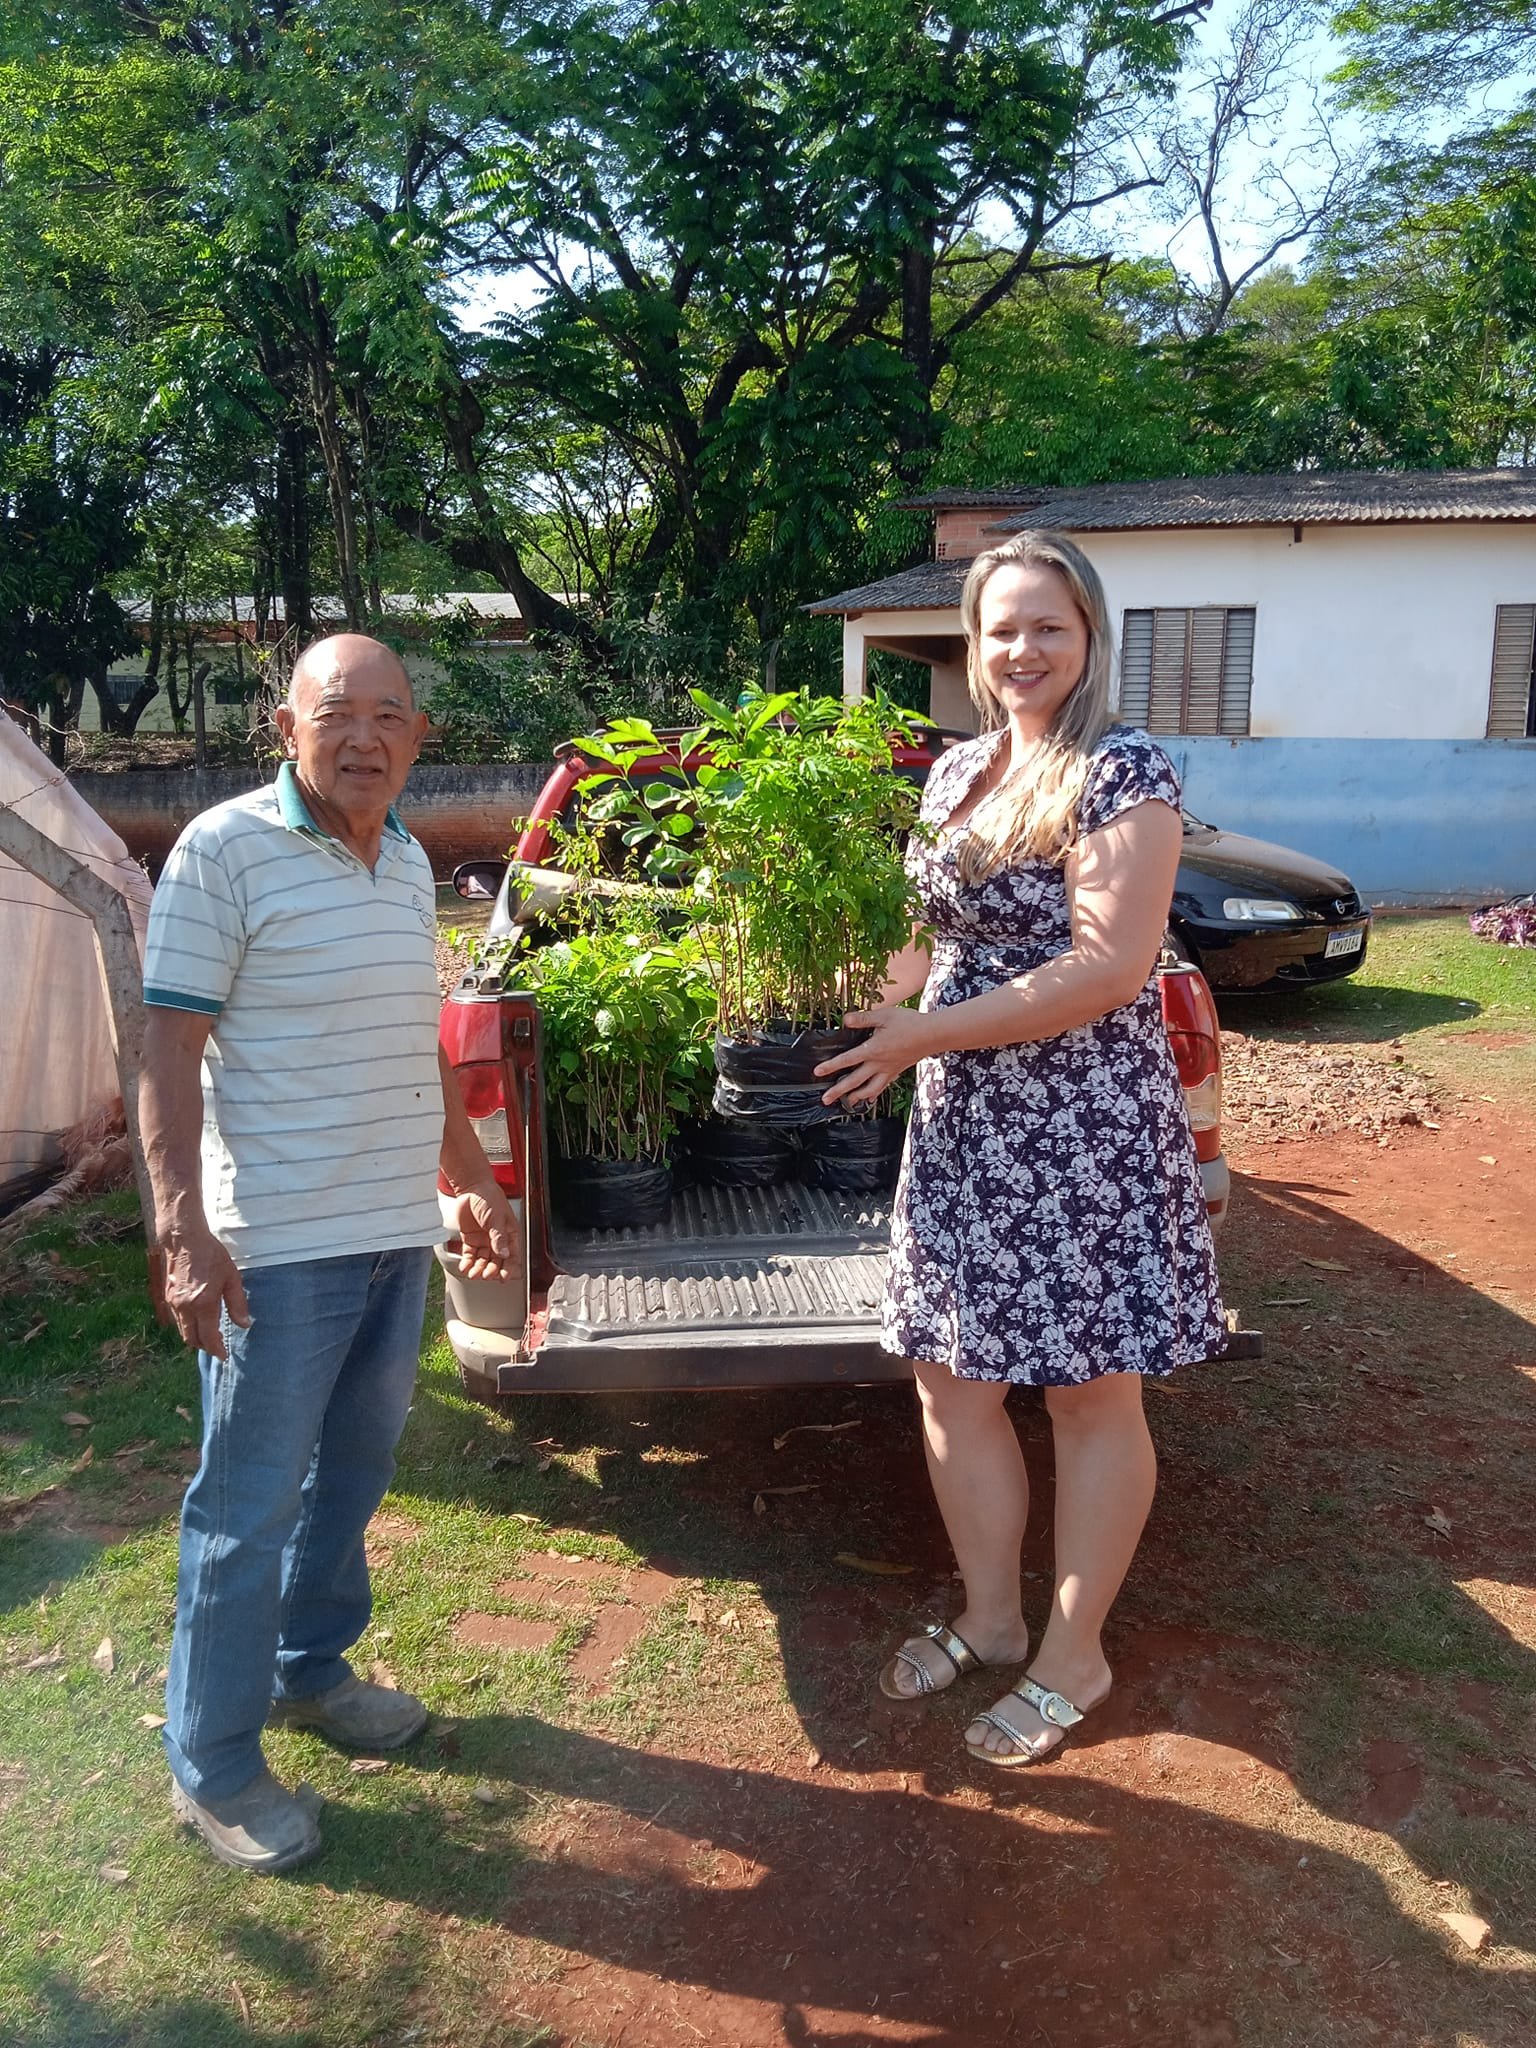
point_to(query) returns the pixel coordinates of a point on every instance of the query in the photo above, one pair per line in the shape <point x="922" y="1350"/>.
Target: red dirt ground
<point x="1252" y="1844"/>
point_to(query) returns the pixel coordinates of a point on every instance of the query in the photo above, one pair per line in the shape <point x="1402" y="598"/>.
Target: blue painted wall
<point x="1409" y="821"/>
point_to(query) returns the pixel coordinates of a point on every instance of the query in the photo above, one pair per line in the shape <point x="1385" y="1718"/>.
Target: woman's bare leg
<point x="979" y="1481"/>
<point x="1106" y="1473"/>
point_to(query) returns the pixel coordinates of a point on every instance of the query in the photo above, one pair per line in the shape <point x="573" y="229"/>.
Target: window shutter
<point x="1207" y="659"/>
<point x="1237" y="671"/>
<point x="1510" y="706"/>
<point x="1170" y="667"/>
<point x="1136" y="667"/>
<point x="1188" y="670"/>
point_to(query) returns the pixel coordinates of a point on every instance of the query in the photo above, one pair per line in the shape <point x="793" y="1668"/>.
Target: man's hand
<point x="898" y="1039"/>
<point x="488" y="1233"/>
<point x="201" y="1280"/>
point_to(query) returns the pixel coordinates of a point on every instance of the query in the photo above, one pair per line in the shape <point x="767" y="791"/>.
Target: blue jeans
<point x="300" y="1424"/>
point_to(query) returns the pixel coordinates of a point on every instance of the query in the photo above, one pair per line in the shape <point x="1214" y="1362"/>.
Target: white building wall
<point x="1362" y="631"/>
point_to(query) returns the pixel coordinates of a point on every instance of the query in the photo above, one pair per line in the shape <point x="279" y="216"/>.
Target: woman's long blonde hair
<point x="1032" y="814"/>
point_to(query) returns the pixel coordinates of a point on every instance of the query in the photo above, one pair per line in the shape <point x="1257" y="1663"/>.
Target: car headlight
<point x="1261" y="910"/>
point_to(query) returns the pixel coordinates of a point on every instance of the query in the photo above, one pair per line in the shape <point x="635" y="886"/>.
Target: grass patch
<point x="1428" y="982"/>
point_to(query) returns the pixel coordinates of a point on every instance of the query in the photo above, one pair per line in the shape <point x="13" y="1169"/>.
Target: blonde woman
<point x="1050" y="1228"/>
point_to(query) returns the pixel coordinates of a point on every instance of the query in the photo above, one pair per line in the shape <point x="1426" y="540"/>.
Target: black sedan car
<point x="1261" y="918"/>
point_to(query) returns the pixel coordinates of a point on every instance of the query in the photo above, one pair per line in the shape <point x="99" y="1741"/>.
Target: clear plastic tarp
<point x="56" y="1061"/>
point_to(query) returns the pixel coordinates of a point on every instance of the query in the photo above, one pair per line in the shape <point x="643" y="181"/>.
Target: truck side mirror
<point x="479" y="881"/>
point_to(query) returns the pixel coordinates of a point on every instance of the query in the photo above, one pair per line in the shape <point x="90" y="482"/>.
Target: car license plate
<point x="1343" y="942"/>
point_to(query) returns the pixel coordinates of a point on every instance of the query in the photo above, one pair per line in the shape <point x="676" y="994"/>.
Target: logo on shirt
<point x="425" y="912"/>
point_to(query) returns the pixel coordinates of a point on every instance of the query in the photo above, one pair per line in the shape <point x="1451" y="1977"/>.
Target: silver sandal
<point x="955" y="1648"/>
<point x="1052" y="1707"/>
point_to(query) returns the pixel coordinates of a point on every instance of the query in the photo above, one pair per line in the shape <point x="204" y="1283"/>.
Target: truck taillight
<point x="470" y="1034"/>
<point x="482" y="1089"/>
<point x="1194" y="1032"/>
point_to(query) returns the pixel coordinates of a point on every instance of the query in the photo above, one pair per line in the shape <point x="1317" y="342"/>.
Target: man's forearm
<point x="171" y="1119"/>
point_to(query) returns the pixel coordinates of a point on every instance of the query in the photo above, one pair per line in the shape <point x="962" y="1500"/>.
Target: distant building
<point x="1340" y="662"/>
<point x="221" y="628"/>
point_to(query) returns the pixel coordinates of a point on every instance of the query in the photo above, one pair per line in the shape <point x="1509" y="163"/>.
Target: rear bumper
<point x="1217" y="1182"/>
<point x="491" y="1365"/>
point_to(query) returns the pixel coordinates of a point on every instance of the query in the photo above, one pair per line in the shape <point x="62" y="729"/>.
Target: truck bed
<point x="738" y="1288"/>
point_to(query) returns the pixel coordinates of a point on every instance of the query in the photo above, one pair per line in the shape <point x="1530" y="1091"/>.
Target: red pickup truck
<point x="739" y="1287"/>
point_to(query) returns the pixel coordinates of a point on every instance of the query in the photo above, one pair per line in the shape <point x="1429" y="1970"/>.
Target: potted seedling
<point x="785" y="844"/>
<point x="627" y="1015"/>
<point x="860" y="1154"/>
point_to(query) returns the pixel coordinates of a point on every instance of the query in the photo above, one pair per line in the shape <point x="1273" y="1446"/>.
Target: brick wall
<point x="458" y="813"/>
<point x="959" y="535"/>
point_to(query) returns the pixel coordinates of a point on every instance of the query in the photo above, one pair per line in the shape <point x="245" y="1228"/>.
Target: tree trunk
<point x="199" y="714"/>
<point x="463" y="419"/>
<point x="361" y="413"/>
<point x="340" y="488"/>
<point x="291" y="525"/>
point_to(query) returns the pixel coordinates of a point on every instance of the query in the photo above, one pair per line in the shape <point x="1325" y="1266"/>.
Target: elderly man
<point x="295" y="1113"/>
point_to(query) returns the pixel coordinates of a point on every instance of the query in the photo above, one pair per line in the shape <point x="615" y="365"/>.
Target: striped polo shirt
<point x="322" y="1102"/>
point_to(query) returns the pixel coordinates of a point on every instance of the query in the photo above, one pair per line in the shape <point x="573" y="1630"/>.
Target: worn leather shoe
<point x="264" y="1828"/>
<point x="357" y="1714"/>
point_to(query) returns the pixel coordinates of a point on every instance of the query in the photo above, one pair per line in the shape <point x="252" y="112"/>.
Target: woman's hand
<point x="898" y="1038"/>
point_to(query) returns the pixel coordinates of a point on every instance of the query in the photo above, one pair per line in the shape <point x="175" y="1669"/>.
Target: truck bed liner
<point x="738" y="1288"/>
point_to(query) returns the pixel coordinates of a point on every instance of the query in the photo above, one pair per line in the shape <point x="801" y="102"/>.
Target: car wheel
<point x="1177" y="951"/>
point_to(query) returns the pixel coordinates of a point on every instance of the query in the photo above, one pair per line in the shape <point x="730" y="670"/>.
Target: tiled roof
<point x="1317" y="497"/>
<point x="927" y="586"/>
<point x="1339" y="497"/>
<point x="326" y="610"/>
<point x="952" y="499"/>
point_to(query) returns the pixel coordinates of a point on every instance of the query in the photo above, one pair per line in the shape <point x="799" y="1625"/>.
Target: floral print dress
<point x="1050" y="1224"/>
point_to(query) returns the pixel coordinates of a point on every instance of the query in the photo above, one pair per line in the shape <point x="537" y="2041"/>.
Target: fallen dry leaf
<point x="726" y="1620"/>
<point x="1487" y="1159"/>
<point x="1323" y="1265"/>
<point x="184" y="1413"/>
<point x="86" y="1457"/>
<point x="877" y="1565"/>
<point x="483" y="1793"/>
<point x="379" y="1673"/>
<point x="761" y="1498"/>
<point x="104" y="1657"/>
<point x="95" y="1778"/>
<point x="44" y="1662"/>
<point x="1287" y="1301"/>
<point x="151" y="1720"/>
<point x="75" y="1420"/>
<point x="114" y="1873"/>
<point x="367" y="1766"/>
<point x="1437" y="1521"/>
<point x="36" y="1330"/>
<point x="697" y="1612"/>
<point x="1468" y="1928"/>
<point x="816" y="1429"/>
